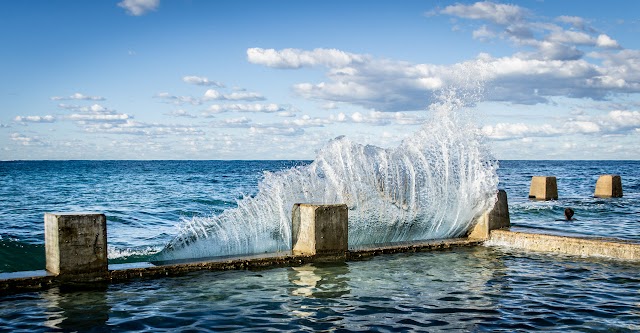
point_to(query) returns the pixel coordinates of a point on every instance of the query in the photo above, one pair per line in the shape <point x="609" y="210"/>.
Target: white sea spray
<point x="431" y="186"/>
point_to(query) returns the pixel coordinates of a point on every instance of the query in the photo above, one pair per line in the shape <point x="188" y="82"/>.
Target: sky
<point x="255" y="80"/>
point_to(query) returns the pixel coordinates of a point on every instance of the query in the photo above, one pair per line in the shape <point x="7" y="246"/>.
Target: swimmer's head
<point x="568" y="213"/>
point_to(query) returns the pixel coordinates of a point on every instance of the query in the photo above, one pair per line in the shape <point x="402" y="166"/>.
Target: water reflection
<point x="79" y="311"/>
<point x="321" y="280"/>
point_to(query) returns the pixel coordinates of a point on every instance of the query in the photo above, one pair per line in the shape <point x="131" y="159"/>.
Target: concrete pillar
<point x="320" y="230"/>
<point x="76" y="246"/>
<point x="608" y="186"/>
<point x="496" y="218"/>
<point x="543" y="188"/>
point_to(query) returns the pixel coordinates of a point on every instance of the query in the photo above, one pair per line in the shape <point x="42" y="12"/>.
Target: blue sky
<point x="195" y="79"/>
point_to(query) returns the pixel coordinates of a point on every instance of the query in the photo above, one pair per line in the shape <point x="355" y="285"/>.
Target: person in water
<point x="568" y="214"/>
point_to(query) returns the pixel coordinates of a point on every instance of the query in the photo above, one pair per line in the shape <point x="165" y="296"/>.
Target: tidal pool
<point x="464" y="289"/>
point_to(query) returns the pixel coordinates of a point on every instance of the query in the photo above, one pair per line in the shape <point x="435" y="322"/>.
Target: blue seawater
<point x="612" y="217"/>
<point x="145" y="201"/>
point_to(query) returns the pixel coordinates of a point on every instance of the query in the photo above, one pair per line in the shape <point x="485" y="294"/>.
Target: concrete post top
<point x="72" y="213"/>
<point x="319" y="205"/>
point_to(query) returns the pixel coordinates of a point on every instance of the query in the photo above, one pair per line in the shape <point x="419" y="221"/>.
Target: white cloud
<point x="621" y="121"/>
<point x="95" y="108"/>
<point x="273" y="130"/>
<point x="181" y="113"/>
<point x="557" y="68"/>
<point x="606" y="42"/>
<point x="131" y="127"/>
<point x="575" y="21"/>
<point x="35" y="119"/>
<point x="235" y="122"/>
<point x="516" y="24"/>
<point x="571" y="37"/>
<point x="497" y="13"/>
<point x="330" y="106"/>
<point x="307" y="121"/>
<point x="483" y="33"/>
<point x="78" y="96"/>
<point x="139" y="7"/>
<point x="244" y="96"/>
<point x="202" y="81"/>
<point x="256" y="108"/>
<point x="615" y="122"/>
<point x="378" y="118"/>
<point x="178" y="100"/>
<point x="98" y="117"/>
<point x="212" y="94"/>
<point x="295" y="58"/>
<point x="26" y="140"/>
<point x="287" y="114"/>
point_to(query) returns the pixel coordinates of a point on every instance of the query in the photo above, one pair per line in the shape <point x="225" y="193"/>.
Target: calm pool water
<point x="460" y="290"/>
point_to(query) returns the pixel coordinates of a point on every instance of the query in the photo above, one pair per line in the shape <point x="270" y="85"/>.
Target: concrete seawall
<point x="19" y="282"/>
<point x="578" y="246"/>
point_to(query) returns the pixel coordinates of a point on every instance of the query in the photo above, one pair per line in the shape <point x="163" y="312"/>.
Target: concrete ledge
<point x="584" y="247"/>
<point x="11" y="283"/>
<point x="418" y="246"/>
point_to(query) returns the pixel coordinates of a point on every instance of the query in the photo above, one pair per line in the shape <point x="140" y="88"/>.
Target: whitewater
<point x="431" y="186"/>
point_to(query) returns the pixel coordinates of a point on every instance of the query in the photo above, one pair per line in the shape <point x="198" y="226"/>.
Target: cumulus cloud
<point x="575" y="21"/>
<point x="256" y="108"/>
<point x="556" y="59"/>
<point x="377" y="118"/>
<point x="78" y="96"/>
<point x="139" y="7"/>
<point x="514" y="23"/>
<point x="94" y="108"/>
<point x="273" y="130"/>
<point x="296" y="58"/>
<point x="98" y="117"/>
<point x="178" y="100"/>
<point x="213" y="94"/>
<point x="132" y="127"/>
<point x="497" y="13"/>
<point x="35" y="119"/>
<point x="617" y="122"/>
<point x="202" y="81"/>
<point x="606" y="42"/>
<point x="27" y="140"/>
<point x="238" y="122"/>
<point x="89" y="115"/>
<point x="308" y="121"/>
<point x="181" y="113"/>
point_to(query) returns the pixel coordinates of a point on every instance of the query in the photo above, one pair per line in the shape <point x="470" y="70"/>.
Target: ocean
<point x="482" y="289"/>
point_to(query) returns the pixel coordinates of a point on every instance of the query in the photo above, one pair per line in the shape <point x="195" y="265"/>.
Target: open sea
<point x="478" y="289"/>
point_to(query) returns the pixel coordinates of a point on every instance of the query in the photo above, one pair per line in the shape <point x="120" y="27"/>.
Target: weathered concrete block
<point x="76" y="245"/>
<point x="543" y="188"/>
<point x="496" y="218"/>
<point x="608" y="186"/>
<point x="320" y="229"/>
